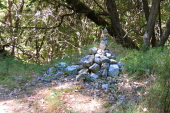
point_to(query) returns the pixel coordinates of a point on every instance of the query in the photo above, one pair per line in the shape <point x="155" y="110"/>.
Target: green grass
<point x="154" y="66"/>
<point x="15" y="73"/>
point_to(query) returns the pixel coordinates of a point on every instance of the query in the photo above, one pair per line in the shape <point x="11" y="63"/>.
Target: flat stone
<point x="105" y="86"/>
<point x="84" y="70"/>
<point x="95" y="76"/>
<point x="105" y="59"/>
<point x="95" y="67"/>
<point x="113" y="70"/>
<point x="93" y="50"/>
<point x="73" y="69"/>
<point x="61" y="65"/>
<point x="112" y="61"/>
<point x="88" y="57"/>
<point x="87" y="61"/>
<point x="81" y="76"/>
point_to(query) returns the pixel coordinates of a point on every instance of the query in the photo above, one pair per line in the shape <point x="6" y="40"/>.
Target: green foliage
<point x="153" y="64"/>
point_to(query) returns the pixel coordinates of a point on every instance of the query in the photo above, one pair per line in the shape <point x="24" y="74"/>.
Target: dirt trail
<point x="66" y="95"/>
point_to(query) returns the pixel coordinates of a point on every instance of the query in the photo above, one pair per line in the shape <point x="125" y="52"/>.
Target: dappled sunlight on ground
<point x="5" y="106"/>
<point x="70" y="96"/>
<point x="71" y="100"/>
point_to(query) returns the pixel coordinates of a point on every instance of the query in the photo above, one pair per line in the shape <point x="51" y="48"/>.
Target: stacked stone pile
<point x="100" y="62"/>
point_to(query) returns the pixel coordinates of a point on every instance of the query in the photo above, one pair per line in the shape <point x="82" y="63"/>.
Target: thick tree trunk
<point x="114" y="28"/>
<point x="151" y="23"/>
<point x="166" y="34"/>
<point x="120" y="35"/>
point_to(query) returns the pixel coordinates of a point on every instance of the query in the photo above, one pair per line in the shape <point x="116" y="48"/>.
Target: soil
<point x="75" y="97"/>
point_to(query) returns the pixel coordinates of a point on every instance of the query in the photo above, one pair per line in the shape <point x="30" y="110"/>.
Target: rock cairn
<point x="99" y="62"/>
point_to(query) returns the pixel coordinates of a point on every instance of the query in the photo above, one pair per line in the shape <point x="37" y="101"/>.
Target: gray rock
<point x="112" y="61"/>
<point x="95" y="67"/>
<point x="101" y="52"/>
<point x="105" y="73"/>
<point x="105" y="86"/>
<point x="51" y="71"/>
<point x="84" y="70"/>
<point x="58" y="74"/>
<point x="95" y="76"/>
<point x="121" y="65"/>
<point x="81" y="76"/>
<point x="105" y="65"/>
<point x="104" y="59"/>
<point x="87" y="64"/>
<point x="113" y="70"/>
<point x="73" y="69"/>
<point x="109" y="55"/>
<point x="97" y="55"/>
<point x="97" y="60"/>
<point x="96" y="85"/>
<point x="61" y="65"/>
<point x="87" y="61"/>
<point x="103" y="44"/>
<point x="93" y="50"/>
<point x="85" y="58"/>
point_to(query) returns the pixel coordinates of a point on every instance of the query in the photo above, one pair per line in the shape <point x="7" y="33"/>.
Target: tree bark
<point x="114" y="28"/>
<point x="120" y="35"/>
<point x="166" y="34"/>
<point x="146" y="11"/>
<point x="151" y="23"/>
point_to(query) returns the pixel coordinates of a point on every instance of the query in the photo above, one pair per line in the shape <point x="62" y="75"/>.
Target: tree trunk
<point x="146" y="11"/>
<point x="120" y="35"/>
<point x="166" y="34"/>
<point x="114" y="28"/>
<point x="151" y="23"/>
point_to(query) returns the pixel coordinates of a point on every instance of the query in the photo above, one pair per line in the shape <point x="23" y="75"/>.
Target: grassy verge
<point x="15" y="73"/>
<point x="153" y="67"/>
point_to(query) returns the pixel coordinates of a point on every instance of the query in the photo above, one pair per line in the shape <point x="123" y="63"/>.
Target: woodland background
<point x="46" y="29"/>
